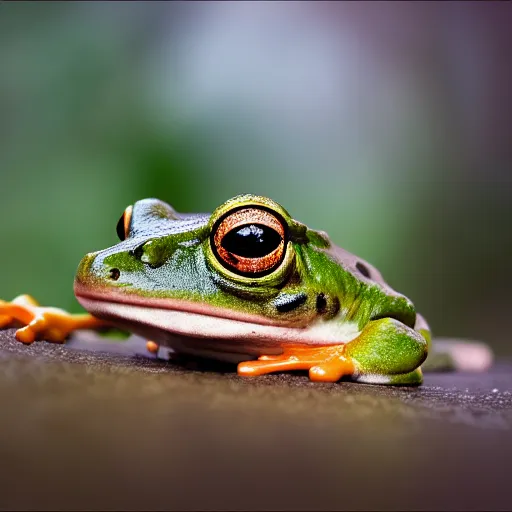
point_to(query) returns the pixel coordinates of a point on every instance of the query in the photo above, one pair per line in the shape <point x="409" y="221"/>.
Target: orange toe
<point x="332" y="371"/>
<point x="25" y="335"/>
<point x="152" y="347"/>
<point x="5" y="320"/>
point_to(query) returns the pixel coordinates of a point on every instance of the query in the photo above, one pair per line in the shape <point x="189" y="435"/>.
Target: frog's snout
<point x="87" y="274"/>
<point x="108" y="268"/>
<point x="84" y="267"/>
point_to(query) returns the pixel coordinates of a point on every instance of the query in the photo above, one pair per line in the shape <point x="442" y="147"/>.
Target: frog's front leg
<point x="42" y="323"/>
<point x="386" y="352"/>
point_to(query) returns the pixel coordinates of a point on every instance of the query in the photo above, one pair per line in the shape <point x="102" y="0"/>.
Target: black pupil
<point x="251" y="241"/>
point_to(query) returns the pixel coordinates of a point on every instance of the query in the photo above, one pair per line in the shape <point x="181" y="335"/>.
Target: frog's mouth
<point x="163" y="320"/>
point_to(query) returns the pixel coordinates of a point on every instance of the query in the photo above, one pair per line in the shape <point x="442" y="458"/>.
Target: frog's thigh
<point x="388" y="352"/>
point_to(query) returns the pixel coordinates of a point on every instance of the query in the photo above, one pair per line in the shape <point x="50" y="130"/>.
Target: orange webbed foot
<point x="42" y="323"/>
<point x="325" y="364"/>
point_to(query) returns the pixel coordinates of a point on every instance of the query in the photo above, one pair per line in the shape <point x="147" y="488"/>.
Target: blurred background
<point x="388" y="125"/>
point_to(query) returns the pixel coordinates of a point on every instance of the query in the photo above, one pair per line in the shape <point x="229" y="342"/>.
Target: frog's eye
<point x="123" y="226"/>
<point x="249" y="241"/>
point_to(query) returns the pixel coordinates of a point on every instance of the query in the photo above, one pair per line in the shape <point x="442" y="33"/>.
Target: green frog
<point x="247" y="284"/>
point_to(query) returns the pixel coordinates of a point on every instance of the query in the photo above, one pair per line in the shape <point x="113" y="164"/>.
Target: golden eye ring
<point x="250" y="241"/>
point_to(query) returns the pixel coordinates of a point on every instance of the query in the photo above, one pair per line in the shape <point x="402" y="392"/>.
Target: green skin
<point x="168" y="256"/>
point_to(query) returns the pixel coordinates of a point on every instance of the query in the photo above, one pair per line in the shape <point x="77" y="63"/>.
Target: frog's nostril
<point x="114" y="274"/>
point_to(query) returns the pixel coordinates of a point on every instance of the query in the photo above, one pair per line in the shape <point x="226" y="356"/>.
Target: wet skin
<point x="246" y="284"/>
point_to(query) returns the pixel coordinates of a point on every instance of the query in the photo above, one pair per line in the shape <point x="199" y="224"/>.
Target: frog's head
<point x="246" y="272"/>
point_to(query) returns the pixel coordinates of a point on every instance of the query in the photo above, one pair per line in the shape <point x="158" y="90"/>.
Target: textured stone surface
<point x="90" y="429"/>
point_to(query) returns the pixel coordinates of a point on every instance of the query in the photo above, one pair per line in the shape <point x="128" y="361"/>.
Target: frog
<point x="248" y="285"/>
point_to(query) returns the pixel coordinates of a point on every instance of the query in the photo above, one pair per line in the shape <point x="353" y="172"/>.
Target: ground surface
<point x="85" y="429"/>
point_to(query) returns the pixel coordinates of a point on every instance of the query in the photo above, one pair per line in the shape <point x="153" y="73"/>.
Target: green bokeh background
<point x="387" y="125"/>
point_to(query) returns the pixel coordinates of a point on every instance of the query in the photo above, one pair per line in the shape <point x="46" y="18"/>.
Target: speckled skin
<point x="165" y="282"/>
